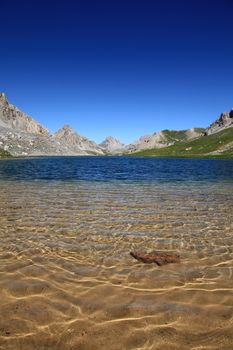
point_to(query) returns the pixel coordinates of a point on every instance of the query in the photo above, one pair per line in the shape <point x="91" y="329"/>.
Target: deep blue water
<point x="116" y="168"/>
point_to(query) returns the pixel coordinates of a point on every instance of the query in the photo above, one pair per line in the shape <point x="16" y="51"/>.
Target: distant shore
<point x="135" y="155"/>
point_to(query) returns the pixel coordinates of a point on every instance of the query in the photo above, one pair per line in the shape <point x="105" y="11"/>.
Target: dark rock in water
<point x="159" y="258"/>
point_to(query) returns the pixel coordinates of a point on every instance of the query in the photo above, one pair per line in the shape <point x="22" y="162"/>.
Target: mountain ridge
<point x="21" y="135"/>
<point x="163" y="138"/>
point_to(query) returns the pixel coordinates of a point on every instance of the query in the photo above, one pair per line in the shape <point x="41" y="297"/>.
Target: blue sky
<point x="121" y="68"/>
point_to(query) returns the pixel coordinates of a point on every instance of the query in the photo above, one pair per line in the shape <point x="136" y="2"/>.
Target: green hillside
<point x="180" y="135"/>
<point x="219" y="145"/>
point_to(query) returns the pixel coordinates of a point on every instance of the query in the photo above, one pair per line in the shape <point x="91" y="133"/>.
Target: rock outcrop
<point x="111" y="145"/>
<point x="223" y="122"/>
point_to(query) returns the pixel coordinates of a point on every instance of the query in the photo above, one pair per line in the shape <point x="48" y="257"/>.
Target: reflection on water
<point x="68" y="281"/>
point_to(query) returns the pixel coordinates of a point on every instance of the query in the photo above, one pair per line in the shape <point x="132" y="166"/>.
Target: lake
<point x="67" y="226"/>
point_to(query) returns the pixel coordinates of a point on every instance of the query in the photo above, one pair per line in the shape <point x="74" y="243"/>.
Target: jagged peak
<point x="67" y="131"/>
<point x="66" y="127"/>
<point x="111" y="139"/>
<point x="111" y="144"/>
<point x="3" y="96"/>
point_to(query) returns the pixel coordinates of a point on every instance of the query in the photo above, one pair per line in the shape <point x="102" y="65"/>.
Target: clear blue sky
<point x="119" y="67"/>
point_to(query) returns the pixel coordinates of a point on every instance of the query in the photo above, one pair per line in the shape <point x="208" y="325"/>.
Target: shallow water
<point x="67" y="280"/>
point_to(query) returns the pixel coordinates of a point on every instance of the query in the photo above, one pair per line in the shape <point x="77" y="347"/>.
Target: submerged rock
<point x="159" y="258"/>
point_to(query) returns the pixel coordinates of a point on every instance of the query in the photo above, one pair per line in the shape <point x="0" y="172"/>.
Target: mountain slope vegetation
<point x="4" y="154"/>
<point x="216" y="145"/>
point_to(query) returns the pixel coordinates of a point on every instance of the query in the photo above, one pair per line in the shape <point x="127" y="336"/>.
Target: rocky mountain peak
<point x="110" y="144"/>
<point x="77" y="143"/>
<point x="12" y="118"/>
<point x="67" y="127"/>
<point x="3" y="97"/>
<point x="110" y="139"/>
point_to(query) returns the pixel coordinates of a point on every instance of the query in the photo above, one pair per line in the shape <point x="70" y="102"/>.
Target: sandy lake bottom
<point x="67" y="280"/>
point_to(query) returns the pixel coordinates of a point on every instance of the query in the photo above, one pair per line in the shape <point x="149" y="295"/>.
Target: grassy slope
<point x="178" y="135"/>
<point x="200" y="147"/>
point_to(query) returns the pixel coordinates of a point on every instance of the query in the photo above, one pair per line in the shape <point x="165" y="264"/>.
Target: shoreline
<point x="216" y="156"/>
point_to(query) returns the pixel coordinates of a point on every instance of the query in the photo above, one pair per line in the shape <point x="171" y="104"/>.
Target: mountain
<point x="214" y="141"/>
<point x="75" y="143"/>
<point x="111" y="145"/>
<point x="215" y="145"/>
<point x="20" y="135"/>
<point x="163" y="138"/>
<point x="11" y="117"/>
<point x="224" y="121"/>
